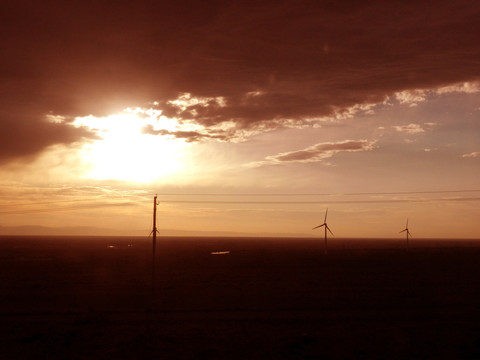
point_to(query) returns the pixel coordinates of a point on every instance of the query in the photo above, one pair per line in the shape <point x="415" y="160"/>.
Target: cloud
<point x="255" y="65"/>
<point x="24" y="136"/>
<point x="471" y="155"/>
<point x="189" y="136"/>
<point x="316" y="153"/>
<point x="466" y="87"/>
<point x="409" y="129"/>
<point x="411" y="97"/>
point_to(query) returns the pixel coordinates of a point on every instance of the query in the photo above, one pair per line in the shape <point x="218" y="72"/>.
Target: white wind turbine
<point x="407" y="232"/>
<point x="326" y="228"/>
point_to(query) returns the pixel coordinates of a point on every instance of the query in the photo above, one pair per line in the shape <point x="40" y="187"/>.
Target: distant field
<point x="91" y="297"/>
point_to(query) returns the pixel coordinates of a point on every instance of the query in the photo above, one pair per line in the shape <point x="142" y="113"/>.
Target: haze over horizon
<point x="246" y="117"/>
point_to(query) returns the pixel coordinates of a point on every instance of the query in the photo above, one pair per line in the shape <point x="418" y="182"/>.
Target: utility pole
<point x="154" y="242"/>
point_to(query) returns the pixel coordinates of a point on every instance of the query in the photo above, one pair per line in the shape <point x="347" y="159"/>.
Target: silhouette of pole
<point x="407" y="240"/>
<point x="325" y="247"/>
<point x="154" y="242"/>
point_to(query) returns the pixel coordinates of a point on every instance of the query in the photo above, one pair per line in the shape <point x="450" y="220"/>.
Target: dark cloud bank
<point x="269" y="61"/>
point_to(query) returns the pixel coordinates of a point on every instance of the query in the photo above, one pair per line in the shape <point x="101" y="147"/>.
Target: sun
<point x="124" y="152"/>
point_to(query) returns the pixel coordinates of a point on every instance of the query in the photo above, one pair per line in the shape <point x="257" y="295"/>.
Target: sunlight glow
<point x="124" y="152"/>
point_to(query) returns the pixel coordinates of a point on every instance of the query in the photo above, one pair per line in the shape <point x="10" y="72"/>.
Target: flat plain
<point x="238" y="298"/>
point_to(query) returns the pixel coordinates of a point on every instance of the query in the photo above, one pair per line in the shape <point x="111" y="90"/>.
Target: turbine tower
<point x="326" y="228"/>
<point x="407" y="233"/>
<point x="154" y="242"/>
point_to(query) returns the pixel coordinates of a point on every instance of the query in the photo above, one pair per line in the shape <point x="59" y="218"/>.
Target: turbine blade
<point x="316" y="227"/>
<point x="402" y="231"/>
<point x="326" y="212"/>
<point x="329" y="229"/>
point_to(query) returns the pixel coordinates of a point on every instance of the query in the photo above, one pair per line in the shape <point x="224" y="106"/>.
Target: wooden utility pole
<point x="154" y="242"/>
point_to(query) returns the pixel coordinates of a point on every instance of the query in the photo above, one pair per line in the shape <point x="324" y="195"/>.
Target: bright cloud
<point x="351" y="111"/>
<point x="411" y="97"/>
<point x="472" y="155"/>
<point x="186" y="101"/>
<point x="466" y="87"/>
<point x="409" y="129"/>
<point x="316" y="153"/>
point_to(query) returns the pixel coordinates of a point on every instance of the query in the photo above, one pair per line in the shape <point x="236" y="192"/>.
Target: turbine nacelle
<point x="326" y="226"/>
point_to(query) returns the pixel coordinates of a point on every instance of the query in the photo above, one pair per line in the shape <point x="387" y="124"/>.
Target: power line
<point x="249" y="194"/>
<point x="319" y="194"/>
<point x="249" y="202"/>
<point x="412" y="192"/>
<point x="321" y="202"/>
<point x="86" y="206"/>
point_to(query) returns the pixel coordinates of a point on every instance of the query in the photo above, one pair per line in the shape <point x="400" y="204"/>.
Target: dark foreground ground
<point x="90" y="298"/>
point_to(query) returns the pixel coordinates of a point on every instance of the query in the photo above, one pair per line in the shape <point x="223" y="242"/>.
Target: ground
<point x="91" y="298"/>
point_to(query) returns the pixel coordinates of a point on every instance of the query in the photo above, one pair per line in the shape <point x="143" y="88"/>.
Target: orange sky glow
<point x="247" y="119"/>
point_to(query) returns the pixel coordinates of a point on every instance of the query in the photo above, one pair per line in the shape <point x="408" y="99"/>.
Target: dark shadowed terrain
<point x="90" y="297"/>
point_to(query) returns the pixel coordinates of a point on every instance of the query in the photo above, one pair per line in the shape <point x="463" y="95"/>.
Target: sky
<point x="243" y="116"/>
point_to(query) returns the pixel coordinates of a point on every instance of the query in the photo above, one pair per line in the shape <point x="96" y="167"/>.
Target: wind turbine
<point x="326" y="228"/>
<point x="407" y="232"/>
